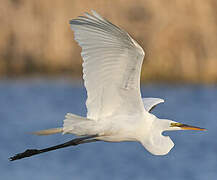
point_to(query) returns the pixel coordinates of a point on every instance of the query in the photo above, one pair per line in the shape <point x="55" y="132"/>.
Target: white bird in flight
<point x="115" y="109"/>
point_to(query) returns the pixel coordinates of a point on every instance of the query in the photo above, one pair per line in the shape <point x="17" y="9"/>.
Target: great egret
<point x="116" y="110"/>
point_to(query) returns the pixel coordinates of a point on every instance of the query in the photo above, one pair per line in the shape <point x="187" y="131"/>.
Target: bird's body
<point x="115" y="128"/>
<point x="115" y="109"/>
<point x="144" y="127"/>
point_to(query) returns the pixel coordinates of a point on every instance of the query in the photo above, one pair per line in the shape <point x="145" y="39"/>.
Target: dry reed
<point x="179" y="37"/>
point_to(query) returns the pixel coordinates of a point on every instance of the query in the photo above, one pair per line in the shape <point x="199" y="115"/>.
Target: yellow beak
<point x="187" y="127"/>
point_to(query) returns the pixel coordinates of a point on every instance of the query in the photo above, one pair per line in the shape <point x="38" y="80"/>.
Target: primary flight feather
<point x="116" y="112"/>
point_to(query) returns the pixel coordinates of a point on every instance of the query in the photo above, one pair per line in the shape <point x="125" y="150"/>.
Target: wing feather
<point x="111" y="67"/>
<point x="151" y="103"/>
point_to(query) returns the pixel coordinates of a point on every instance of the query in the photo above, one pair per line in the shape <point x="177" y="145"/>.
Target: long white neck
<point x="154" y="141"/>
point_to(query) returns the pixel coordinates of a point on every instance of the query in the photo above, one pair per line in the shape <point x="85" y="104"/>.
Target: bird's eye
<point x="176" y="125"/>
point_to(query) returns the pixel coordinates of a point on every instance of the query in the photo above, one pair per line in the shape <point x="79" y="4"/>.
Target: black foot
<point x="27" y="153"/>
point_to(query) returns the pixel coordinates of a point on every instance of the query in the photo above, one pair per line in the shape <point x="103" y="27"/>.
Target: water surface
<point x="34" y="104"/>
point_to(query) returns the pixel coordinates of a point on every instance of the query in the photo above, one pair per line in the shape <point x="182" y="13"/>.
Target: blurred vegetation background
<point x="178" y="36"/>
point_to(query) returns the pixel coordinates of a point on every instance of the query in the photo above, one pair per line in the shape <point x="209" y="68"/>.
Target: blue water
<point x="35" y="104"/>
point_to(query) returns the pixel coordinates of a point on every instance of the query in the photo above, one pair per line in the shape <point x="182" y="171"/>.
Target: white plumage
<point x="150" y="103"/>
<point x="111" y="71"/>
<point x="112" y="65"/>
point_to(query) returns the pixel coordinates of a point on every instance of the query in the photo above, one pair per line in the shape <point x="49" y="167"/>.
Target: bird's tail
<point x="73" y="124"/>
<point x="80" y="126"/>
<point x="48" y="131"/>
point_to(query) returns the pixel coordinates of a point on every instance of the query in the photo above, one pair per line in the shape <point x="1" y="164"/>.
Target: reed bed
<point x="179" y="37"/>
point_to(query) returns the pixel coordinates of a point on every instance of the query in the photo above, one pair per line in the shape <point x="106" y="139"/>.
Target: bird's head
<point x="159" y="144"/>
<point x="168" y="125"/>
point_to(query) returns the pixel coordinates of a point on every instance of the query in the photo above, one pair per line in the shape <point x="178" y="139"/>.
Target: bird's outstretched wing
<point x="111" y="67"/>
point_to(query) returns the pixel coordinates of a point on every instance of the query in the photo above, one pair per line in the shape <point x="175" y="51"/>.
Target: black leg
<point x="73" y="142"/>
